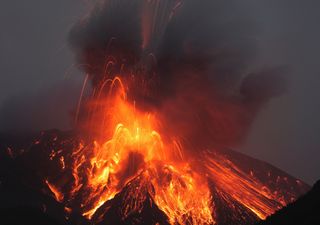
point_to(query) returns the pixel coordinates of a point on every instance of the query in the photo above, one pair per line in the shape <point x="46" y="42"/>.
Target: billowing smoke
<point x="191" y="62"/>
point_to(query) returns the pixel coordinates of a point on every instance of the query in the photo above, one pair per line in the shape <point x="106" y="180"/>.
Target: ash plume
<point x="191" y="60"/>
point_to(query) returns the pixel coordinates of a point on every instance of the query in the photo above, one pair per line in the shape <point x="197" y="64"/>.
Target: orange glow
<point x="135" y="147"/>
<point x="57" y="194"/>
<point x="128" y="155"/>
<point x="185" y="193"/>
<point x="242" y="187"/>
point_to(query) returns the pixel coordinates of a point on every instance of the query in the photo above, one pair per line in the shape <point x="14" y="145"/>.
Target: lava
<point x="137" y="149"/>
<point x="57" y="194"/>
<point x="148" y="128"/>
<point x="131" y="156"/>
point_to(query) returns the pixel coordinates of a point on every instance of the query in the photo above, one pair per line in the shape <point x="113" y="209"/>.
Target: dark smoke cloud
<point x="111" y="31"/>
<point x="203" y="61"/>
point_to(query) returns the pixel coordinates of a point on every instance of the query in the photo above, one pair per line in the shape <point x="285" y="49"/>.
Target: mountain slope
<point x="243" y="189"/>
<point x="305" y="211"/>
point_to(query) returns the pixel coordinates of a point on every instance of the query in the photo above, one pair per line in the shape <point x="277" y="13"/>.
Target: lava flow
<point x="168" y="97"/>
<point x="130" y="156"/>
<point x="134" y="149"/>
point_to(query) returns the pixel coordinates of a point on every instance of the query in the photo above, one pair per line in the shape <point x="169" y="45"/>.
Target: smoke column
<point x="189" y="61"/>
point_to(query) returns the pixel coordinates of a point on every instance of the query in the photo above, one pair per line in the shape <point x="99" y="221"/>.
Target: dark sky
<point x="36" y="63"/>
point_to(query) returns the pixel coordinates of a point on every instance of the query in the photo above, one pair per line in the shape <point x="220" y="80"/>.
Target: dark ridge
<point x="112" y="212"/>
<point x="26" y="215"/>
<point x="304" y="211"/>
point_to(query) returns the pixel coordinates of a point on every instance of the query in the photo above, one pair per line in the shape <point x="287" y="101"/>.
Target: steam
<point x="191" y="61"/>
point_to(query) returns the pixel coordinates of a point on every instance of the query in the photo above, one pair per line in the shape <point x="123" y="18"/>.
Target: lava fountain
<point x="165" y="107"/>
<point x="130" y="156"/>
<point x="133" y="148"/>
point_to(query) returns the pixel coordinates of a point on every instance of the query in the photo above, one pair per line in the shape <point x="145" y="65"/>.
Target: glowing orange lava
<point x="57" y="194"/>
<point x="129" y="151"/>
<point x="135" y="147"/>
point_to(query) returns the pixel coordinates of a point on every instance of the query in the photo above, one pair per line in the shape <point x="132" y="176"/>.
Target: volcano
<point x="166" y="96"/>
<point x="243" y="190"/>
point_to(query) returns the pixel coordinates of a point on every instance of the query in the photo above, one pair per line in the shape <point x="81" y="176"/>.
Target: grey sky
<point x="287" y="132"/>
<point x="34" y="56"/>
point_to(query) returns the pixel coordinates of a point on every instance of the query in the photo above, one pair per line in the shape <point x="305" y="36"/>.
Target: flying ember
<point x="159" y="121"/>
<point x="136" y="149"/>
<point x="130" y="157"/>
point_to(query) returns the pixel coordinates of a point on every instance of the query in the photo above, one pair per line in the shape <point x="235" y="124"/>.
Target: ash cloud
<point x="112" y="31"/>
<point x="200" y="78"/>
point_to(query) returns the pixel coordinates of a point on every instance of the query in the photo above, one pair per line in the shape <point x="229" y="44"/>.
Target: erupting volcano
<point x="153" y="138"/>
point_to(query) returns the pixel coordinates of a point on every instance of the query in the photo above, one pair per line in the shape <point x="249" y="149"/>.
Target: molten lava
<point x="142" y="148"/>
<point x="56" y="193"/>
<point x="137" y="149"/>
<point x="130" y="156"/>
